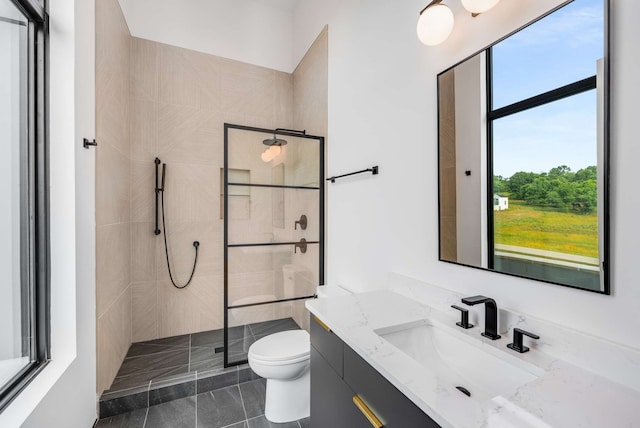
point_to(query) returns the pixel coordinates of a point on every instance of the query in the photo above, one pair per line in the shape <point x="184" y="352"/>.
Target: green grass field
<point x="543" y="228"/>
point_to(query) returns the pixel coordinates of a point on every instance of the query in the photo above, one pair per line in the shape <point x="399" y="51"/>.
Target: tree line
<point x="559" y="188"/>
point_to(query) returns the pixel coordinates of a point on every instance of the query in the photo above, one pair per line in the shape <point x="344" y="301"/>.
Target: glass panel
<point x="264" y="215"/>
<point x="246" y="325"/>
<point x="264" y="274"/>
<point x="546" y="192"/>
<point x="14" y="298"/>
<point x="299" y="158"/>
<point x="562" y="48"/>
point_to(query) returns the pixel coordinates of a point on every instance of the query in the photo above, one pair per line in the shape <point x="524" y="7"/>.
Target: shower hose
<point x="196" y="244"/>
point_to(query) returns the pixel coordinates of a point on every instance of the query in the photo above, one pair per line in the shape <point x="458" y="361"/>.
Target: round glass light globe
<point x="435" y="25"/>
<point x="275" y="151"/>
<point x="479" y="6"/>
<point x="266" y="156"/>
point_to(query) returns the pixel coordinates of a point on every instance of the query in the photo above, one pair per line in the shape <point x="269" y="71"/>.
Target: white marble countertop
<point x="565" y="395"/>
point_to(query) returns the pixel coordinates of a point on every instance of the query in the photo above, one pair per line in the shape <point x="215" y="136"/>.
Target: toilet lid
<point x="283" y="346"/>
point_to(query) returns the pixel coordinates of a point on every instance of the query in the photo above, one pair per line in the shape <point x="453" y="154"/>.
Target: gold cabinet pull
<point x="366" y="411"/>
<point x="323" y="325"/>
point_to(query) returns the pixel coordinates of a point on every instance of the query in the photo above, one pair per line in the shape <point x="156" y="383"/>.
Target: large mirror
<point x="523" y="152"/>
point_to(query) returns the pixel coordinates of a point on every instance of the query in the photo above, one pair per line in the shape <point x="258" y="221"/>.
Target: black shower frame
<point x="320" y="242"/>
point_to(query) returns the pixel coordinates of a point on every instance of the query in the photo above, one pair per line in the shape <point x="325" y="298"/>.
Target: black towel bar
<point x="373" y="170"/>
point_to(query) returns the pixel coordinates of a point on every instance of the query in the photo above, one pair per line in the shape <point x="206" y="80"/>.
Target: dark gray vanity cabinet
<point x="338" y="374"/>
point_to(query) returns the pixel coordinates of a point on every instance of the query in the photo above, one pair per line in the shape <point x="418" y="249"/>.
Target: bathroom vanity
<point x="345" y="388"/>
<point x="388" y="359"/>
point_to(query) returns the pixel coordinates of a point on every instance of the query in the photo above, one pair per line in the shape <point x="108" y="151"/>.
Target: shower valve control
<point x="302" y="245"/>
<point x="302" y="222"/>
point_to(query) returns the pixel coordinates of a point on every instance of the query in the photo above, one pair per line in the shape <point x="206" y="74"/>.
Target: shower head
<point x="275" y="141"/>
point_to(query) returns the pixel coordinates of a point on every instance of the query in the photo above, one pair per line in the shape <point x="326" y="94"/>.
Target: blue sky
<point x="559" y="49"/>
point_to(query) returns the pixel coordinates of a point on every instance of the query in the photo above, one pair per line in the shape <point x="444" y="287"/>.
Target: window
<point x="24" y="308"/>
<point x="542" y="92"/>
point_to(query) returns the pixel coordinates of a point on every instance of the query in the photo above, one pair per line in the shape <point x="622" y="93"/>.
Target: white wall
<point x="63" y="395"/>
<point x="247" y="31"/>
<point x="383" y="110"/>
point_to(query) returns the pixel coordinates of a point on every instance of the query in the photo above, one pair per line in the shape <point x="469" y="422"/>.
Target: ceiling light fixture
<point x="436" y="19"/>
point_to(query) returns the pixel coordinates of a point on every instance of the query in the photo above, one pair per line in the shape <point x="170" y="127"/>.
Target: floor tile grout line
<point x="189" y="364"/>
<point x="146" y="415"/>
<point x="244" y="408"/>
<point x="196" y="395"/>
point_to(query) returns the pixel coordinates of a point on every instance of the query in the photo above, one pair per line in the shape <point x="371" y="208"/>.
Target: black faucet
<point x="490" y="314"/>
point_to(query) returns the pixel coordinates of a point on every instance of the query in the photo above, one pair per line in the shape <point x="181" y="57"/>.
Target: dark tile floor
<point x="237" y="406"/>
<point x="179" y="381"/>
<point x="168" y="358"/>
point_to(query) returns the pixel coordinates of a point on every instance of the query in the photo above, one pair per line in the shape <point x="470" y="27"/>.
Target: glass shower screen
<point x="273" y="211"/>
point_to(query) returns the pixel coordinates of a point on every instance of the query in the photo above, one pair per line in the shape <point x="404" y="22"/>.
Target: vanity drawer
<point x="390" y="405"/>
<point x="331" y="399"/>
<point x="327" y="344"/>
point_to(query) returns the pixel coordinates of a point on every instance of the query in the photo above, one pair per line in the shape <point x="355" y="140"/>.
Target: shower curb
<point x="172" y="388"/>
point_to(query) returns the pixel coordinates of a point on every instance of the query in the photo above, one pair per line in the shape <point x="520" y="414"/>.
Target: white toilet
<point x="283" y="359"/>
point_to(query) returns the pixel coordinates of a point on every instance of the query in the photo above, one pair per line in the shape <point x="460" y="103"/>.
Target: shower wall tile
<point x="192" y="309"/>
<point x="144" y="69"/>
<point x="178" y="77"/>
<point x="144" y="310"/>
<point x="301" y="315"/>
<point x="255" y="314"/>
<point x="180" y="237"/>
<point x="189" y="134"/>
<point x="243" y="285"/>
<point x="283" y="105"/>
<point x="310" y="88"/>
<point x="192" y="192"/>
<point x="113" y="180"/>
<point x="112" y="109"/>
<point x="112" y="37"/>
<point x="248" y="90"/>
<point x="114" y="339"/>
<point x="143" y="190"/>
<point x="144" y="129"/>
<point x="143" y="252"/>
<point x="113" y="190"/>
<point x="113" y="258"/>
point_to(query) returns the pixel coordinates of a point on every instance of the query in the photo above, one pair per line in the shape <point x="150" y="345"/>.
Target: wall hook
<point x="86" y="143"/>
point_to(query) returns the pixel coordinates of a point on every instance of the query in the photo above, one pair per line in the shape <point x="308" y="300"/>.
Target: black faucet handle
<point x="517" y="340"/>
<point x="464" y="317"/>
<point x="475" y="300"/>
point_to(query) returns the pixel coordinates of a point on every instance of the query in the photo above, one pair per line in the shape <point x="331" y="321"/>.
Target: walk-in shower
<point x="273" y="211"/>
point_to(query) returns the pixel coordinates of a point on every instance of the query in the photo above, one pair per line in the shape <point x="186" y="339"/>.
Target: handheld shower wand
<point x="160" y="190"/>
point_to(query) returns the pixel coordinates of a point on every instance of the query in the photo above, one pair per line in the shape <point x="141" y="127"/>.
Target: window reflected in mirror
<point x="523" y="145"/>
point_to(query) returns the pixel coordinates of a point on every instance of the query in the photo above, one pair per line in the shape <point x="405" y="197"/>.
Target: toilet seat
<point x="286" y="347"/>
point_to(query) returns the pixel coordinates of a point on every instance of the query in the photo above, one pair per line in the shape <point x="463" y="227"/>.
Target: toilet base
<point x="288" y="401"/>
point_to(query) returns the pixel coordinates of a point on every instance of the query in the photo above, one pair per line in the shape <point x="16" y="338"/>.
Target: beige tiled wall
<point x="310" y="112"/>
<point x="180" y="100"/>
<point x="113" y="183"/>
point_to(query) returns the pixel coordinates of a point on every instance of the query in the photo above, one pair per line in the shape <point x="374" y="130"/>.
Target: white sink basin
<point x="458" y="362"/>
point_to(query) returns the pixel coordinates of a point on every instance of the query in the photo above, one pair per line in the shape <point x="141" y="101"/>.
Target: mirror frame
<point x="605" y="258"/>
